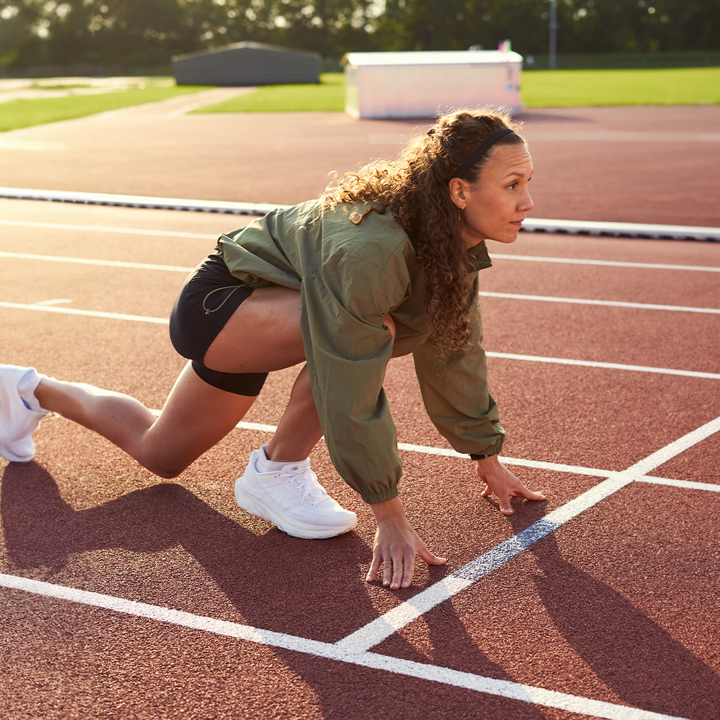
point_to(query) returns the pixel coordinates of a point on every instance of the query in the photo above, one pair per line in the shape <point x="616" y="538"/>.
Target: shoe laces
<point x="306" y="482"/>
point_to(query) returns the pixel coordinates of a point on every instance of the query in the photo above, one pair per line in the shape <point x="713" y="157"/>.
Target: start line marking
<point x="433" y="673"/>
<point x="383" y="627"/>
<point x="355" y="648"/>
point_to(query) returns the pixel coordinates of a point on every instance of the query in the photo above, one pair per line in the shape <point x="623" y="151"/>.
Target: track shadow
<point x="276" y="582"/>
<point x="634" y="656"/>
<point x="540" y="118"/>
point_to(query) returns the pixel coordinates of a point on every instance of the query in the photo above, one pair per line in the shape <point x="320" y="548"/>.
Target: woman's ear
<point x="457" y="189"/>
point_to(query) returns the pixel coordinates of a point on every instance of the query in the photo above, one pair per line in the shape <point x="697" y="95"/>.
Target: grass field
<point x="540" y="88"/>
<point x="327" y="96"/>
<point x="15" y="114"/>
<point x="583" y="88"/>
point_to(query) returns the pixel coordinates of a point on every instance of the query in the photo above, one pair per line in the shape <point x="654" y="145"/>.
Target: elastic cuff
<point x="492" y="450"/>
<point x="372" y="498"/>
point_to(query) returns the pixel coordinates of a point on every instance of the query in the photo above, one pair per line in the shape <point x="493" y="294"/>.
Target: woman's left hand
<point x="502" y="483"/>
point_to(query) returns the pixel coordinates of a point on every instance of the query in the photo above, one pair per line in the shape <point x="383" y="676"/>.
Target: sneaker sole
<point x="255" y="506"/>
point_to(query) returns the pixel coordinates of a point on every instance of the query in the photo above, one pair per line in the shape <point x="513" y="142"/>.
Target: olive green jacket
<point x="349" y="276"/>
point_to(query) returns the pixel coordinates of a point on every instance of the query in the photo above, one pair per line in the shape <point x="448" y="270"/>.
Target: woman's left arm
<point x="458" y="401"/>
<point x="456" y="395"/>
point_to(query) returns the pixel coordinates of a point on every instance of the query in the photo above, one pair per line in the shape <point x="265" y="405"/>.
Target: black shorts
<point x="204" y="304"/>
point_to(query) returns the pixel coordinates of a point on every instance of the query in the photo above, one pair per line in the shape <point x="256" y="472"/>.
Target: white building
<point x="422" y="84"/>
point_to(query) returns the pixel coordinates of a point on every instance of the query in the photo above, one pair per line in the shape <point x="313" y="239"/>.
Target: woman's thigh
<point x="262" y="335"/>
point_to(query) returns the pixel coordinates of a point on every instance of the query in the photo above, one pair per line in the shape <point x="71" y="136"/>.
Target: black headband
<point x="482" y="150"/>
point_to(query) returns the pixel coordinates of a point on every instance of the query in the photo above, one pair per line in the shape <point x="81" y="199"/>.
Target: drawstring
<point x="227" y="287"/>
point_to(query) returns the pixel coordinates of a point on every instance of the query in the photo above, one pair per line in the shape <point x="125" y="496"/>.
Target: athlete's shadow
<point x="642" y="663"/>
<point x="276" y="582"/>
<point x="308" y="588"/>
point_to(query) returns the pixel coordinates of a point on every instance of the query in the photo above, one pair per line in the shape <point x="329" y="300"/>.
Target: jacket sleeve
<point x="347" y="348"/>
<point x="456" y="397"/>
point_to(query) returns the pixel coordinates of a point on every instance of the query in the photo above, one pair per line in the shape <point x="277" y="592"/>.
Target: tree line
<point x="135" y="33"/>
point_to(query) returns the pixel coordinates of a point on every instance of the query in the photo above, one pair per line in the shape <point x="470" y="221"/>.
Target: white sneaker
<point x="292" y="499"/>
<point x="20" y="412"/>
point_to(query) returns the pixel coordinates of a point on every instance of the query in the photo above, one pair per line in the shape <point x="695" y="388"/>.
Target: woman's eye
<point x="512" y="186"/>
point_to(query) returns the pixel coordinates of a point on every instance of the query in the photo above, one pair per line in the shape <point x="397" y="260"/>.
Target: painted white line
<point x="689" y="484"/>
<point x="383" y="627"/>
<point x="502" y="356"/>
<point x="85" y="313"/>
<point x="97" y="263"/>
<point x="534" y="464"/>
<point x="175" y="268"/>
<point x="602" y="263"/>
<point x="207" y="236"/>
<point x="54" y="301"/>
<point x="109" y="229"/>
<point x="408" y="668"/>
<point x="604" y="303"/>
<point x="608" y="366"/>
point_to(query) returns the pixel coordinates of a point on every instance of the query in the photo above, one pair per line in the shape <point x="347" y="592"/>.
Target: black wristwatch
<point x="480" y="457"/>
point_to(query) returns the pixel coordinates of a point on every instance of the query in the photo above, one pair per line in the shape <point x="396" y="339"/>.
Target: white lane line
<point x="386" y="625"/>
<point x="534" y="464"/>
<point x="603" y="303"/>
<point x="506" y="296"/>
<point x="689" y="484"/>
<point x="207" y="236"/>
<point x="602" y="263"/>
<point x="97" y="263"/>
<point x="201" y="236"/>
<point x="315" y="648"/>
<point x="109" y="229"/>
<point x="604" y="365"/>
<point x="503" y="356"/>
<point x="85" y="313"/>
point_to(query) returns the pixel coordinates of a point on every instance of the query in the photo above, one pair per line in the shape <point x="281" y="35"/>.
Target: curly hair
<point x="414" y="188"/>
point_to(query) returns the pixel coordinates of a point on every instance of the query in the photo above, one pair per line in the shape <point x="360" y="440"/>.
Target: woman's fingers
<point x="396" y="546"/>
<point x="399" y="573"/>
<point x="429" y="558"/>
<point x="377" y="563"/>
<point x="500" y="481"/>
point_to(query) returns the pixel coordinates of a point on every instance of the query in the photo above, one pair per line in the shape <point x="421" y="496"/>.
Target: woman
<point x="382" y="265"/>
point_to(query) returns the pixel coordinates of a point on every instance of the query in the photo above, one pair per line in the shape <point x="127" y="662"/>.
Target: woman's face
<point x="496" y="205"/>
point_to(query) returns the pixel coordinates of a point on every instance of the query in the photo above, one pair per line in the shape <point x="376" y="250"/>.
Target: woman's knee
<point x="163" y="466"/>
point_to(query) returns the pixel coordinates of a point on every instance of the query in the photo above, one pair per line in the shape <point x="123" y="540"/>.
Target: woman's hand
<point x="500" y="481"/>
<point x="396" y="545"/>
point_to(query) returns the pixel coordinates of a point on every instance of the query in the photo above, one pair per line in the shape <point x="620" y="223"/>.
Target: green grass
<point x="327" y="96"/>
<point x="17" y="114"/>
<point x="540" y="88"/>
<point x="583" y="88"/>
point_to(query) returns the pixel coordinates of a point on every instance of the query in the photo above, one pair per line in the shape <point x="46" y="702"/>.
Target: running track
<point x="123" y="596"/>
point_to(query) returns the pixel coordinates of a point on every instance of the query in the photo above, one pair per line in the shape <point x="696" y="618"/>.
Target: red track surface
<point x="618" y="604"/>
